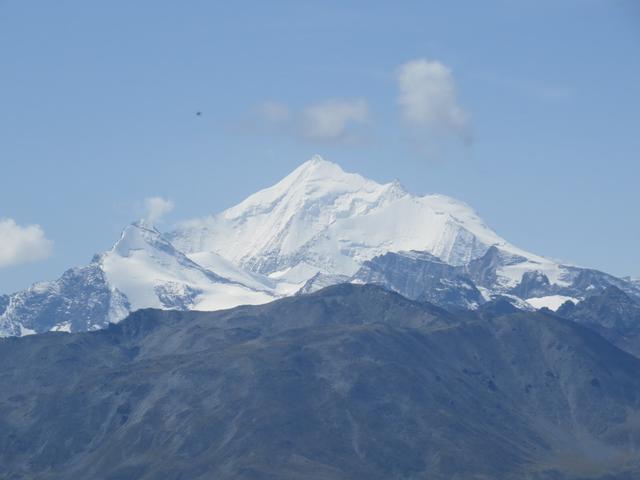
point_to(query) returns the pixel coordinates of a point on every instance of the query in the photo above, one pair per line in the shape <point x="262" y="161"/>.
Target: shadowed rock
<point x="351" y="382"/>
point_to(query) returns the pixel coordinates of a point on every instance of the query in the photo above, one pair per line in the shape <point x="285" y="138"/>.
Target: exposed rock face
<point x="349" y="382"/>
<point x="142" y="269"/>
<point x="4" y="303"/>
<point x="533" y="284"/>
<point x="79" y="300"/>
<point x="613" y="314"/>
<point x="421" y="276"/>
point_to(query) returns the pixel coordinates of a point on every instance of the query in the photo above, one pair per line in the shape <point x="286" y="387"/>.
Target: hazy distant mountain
<point x="316" y="227"/>
<point x="349" y="382"/>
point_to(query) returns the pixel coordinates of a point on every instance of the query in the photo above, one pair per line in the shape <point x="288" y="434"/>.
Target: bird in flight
<point x="198" y="114"/>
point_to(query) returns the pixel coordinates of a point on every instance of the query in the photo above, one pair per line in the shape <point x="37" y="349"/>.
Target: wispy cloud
<point x="426" y="96"/>
<point x="20" y="244"/>
<point x="273" y="113"/>
<point x="329" y="121"/>
<point x="332" y="120"/>
<point x="156" y="208"/>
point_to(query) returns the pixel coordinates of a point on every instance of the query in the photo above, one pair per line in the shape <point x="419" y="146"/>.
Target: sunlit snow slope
<point x="321" y="219"/>
<point x="316" y="227"/>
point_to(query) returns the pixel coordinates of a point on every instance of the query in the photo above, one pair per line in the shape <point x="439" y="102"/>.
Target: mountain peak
<point x="316" y="178"/>
<point x="317" y="168"/>
<point x="321" y="218"/>
<point x="317" y="159"/>
<point x="136" y="236"/>
<point x="143" y="224"/>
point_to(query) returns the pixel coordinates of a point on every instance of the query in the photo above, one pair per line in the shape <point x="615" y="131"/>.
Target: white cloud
<point x="156" y="208"/>
<point x="22" y="244"/>
<point x="333" y="119"/>
<point x="428" y="99"/>
<point x="327" y="121"/>
<point x="274" y="113"/>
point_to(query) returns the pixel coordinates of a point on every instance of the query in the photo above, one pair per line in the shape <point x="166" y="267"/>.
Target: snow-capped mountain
<point x="316" y="227"/>
<point x="320" y="219"/>
<point x="420" y="276"/>
<point x="142" y="270"/>
<point x="151" y="272"/>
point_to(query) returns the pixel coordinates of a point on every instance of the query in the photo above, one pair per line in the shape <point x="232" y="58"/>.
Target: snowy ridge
<point x="316" y="227"/>
<point x="320" y="219"/>
<point x="150" y="272"/>
<point x="142" y="270"/>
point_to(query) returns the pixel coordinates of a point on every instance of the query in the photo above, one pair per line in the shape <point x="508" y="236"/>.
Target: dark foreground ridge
<point x="352" y="382"/>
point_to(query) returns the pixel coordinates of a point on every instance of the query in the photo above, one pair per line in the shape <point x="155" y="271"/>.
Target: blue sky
<point x="98" y="103"/>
